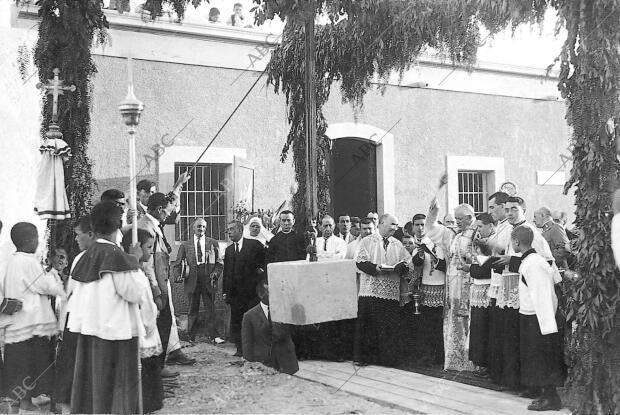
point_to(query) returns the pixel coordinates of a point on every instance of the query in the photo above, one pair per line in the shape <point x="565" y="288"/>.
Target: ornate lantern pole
<point x="131" y="108"/>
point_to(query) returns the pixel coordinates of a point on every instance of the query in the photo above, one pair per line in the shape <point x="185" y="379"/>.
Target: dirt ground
<point x="222" y="383"/>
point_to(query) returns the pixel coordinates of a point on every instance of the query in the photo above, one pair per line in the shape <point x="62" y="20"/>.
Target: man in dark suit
<point x="244" y="265"/>
<point x="264" y="341"/>
<point x="198" y="265"/>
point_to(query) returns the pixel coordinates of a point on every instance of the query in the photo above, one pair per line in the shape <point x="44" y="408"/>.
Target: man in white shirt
<point x="199" y="264"/>
<point x="367" y="228"/>
<point x="329" y="246"/>
<point x="344" y="227"/>
<point x="329" y="342"/>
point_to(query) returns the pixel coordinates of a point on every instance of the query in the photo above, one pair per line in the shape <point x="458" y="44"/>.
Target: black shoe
<point x="530" y="393"/>
<point x="178" y="358"/>
<point x="166" y="373"/>
<point x="483" y="372"/>
<point x="545" y="404"/>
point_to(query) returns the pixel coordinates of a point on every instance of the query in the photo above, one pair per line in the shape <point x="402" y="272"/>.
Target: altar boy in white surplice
<point x="540" y="352"/>
<point x="382" y="260"/>
<point x="105" y="312"/>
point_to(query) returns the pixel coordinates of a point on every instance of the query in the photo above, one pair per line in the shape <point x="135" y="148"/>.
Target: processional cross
<point x="54" y="88"/>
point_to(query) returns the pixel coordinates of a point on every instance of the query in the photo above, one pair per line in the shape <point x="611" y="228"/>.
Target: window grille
<point x="473" y="189"/>
<point x="203" y="196"/>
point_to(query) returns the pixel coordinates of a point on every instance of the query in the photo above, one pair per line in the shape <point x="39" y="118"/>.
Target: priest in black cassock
<point x="286" y="245"/>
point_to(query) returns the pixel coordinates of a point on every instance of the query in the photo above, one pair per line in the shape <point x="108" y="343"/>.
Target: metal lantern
<point x="131" y="108"/>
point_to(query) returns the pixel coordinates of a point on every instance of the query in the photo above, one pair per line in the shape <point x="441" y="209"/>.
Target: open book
<point x="385" y="267"/>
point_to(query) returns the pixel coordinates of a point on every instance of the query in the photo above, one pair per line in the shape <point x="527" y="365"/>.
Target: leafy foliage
<point x="365" y="41"/>
<point x="590" y="64"/>
<point x="66" y="33"/>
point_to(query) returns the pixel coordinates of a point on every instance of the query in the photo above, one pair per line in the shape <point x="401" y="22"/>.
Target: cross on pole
<point x="55" y="87"/>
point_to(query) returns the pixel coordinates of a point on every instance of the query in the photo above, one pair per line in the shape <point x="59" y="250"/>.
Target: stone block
<point x="302" y="292"/>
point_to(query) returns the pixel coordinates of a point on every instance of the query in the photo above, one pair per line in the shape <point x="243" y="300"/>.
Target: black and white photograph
<point x="310" y="207"/>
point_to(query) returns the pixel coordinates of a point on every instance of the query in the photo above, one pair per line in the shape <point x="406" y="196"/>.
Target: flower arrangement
<point x="241" y="211"/>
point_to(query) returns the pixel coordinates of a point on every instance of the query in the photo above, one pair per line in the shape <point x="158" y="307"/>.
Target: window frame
<point x="216" y="223"/>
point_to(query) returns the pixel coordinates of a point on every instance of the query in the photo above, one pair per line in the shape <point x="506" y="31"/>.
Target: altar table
<point x="303" y="292"/>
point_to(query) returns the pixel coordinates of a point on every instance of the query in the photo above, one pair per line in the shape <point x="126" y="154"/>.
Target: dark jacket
<point x="244" y="270"/>
<point x="558" y="241"/>
<point x="286" y="247"/>
<point x="269" y="343"/>
<point x="187" y="254"/>
<point x="159" y="265"/>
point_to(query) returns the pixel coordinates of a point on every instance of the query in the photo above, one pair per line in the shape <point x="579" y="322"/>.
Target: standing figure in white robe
<point x="383" y="261"/>
<point x="458" y="283"/>
<point x="105" y="312"/>
<point x="541" y="360"/>
<point x="508" y="372"/>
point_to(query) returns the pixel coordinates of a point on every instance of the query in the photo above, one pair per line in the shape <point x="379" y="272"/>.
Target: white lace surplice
<point x="387" y="285"/>
<point x="508" y="293"/>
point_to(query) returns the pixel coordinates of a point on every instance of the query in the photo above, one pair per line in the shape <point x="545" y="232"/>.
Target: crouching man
<point x="264" y="341"/>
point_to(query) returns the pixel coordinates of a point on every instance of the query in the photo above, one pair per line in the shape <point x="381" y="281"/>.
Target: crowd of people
<point x="236" y="18"/>
<point x="474" y="293"/>
<point x="478" y="293"/>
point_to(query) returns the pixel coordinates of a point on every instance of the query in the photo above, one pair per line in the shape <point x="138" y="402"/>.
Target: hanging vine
<point x="365" y="41"/>
<point x="590" y="68"/>
<point x="67" y="30"/>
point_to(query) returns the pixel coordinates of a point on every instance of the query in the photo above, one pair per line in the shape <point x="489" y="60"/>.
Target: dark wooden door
<point x="353" y="169"/>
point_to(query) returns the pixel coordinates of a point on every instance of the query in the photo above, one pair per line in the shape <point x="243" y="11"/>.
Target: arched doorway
<point x="353" y="170"/>
<point x="365" y="156"/>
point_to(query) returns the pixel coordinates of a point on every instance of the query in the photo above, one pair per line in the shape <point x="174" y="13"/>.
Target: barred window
<point x="473" y="189"/>
<point x="203" y="196"/>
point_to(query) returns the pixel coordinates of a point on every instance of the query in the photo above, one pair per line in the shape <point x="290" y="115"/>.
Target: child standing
<point x="150" y="344"/>
<point x="29" y="351"/>
<point x="65" y="360"/>
<point x="540" y="343"/>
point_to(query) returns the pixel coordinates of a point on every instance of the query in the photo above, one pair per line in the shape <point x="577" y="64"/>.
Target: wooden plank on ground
<point x="413" y="390"/>
<point x="417" y="383"/>
<point x="419" y="396"/>
<point x="383" y="398"/>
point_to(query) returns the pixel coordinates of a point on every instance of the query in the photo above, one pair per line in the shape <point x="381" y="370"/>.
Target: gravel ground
<point x="222" y="383"/>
